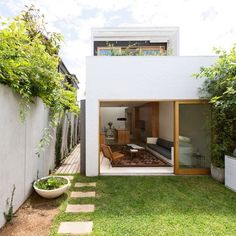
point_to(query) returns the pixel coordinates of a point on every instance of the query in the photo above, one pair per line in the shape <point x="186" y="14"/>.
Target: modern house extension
<point x="143" y="112"/>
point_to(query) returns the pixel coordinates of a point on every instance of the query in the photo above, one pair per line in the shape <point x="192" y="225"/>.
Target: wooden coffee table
<point x="141" y="151"/>
<point x="135" y="146"/>
<point x="132" y="152"/>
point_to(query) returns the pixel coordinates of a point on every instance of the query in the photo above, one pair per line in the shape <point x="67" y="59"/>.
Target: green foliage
<point x="29" y="65"/>
<point x="9" y="214"/>
<point x="69" y="136"/>
<point x="51" y="183"/>
<point x="75" y="132"/>
<point x="58" y="143"/>
<point x="220" y="89"/>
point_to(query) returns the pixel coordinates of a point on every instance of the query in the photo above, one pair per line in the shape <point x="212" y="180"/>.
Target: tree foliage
<point x="220" y="88"/>
<point x="29" y="65"/>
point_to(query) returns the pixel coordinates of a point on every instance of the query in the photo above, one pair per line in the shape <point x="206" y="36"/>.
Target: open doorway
<point x="136" y="137"/>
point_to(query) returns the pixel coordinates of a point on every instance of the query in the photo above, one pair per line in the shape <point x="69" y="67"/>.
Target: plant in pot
<point x="219" y="88"/>
<point x="51" y="186"/>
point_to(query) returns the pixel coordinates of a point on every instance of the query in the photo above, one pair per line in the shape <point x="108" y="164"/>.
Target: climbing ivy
<point x="29" y="63"/>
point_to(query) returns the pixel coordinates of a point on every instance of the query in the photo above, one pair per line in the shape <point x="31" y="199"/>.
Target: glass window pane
<point x="194" y="135"/>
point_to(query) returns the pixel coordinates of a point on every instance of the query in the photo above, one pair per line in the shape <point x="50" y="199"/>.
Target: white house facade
<point x="162" y="84"/>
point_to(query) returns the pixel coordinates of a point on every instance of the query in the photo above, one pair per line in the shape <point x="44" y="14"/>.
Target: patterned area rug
<point x="145" y="159"/>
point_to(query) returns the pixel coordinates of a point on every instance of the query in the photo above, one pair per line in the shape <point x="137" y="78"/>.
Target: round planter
<point x="52" y="193"/>
<point x="218" y="173"/>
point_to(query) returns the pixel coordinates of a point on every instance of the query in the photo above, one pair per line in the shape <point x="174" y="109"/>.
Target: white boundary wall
<point x="18" y="162"/>
<point x="135" y="78"/>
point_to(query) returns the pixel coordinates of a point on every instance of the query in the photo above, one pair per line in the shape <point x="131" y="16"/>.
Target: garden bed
<point x="33" y="218"/>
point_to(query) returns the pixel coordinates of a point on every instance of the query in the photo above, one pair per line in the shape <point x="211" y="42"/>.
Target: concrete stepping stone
<point x="70" y="177"/>
<point x="83" y="194"/>
<point x="80" y="208"/>
<point x="91" y="184"/>
<point x="78" y="228"/>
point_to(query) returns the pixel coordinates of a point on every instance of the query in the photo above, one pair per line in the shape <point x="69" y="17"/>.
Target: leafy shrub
<point x="9" y="214"/>
<point x="220" y="89"/>
<point x="58" y="144"/>
<point x="69" y="137"/>
<point x="51" y="183"/>
<point x="29" y="63"/>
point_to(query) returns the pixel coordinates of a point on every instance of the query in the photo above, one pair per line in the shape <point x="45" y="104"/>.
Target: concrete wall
<point x="19" y="165"/>
<point x="135" y="78"/>
<point x="166" y="120"/>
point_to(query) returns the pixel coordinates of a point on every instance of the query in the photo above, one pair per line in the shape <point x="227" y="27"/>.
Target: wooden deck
<point x="71" y="165"/>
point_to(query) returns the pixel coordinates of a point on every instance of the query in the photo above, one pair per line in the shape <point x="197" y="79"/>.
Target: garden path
<point x="71" y="165"/>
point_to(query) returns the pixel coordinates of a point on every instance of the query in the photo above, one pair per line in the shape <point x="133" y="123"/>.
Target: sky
<point x="204" y="24"/>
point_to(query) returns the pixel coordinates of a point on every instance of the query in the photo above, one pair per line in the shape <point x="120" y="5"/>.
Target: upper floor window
<point x="129" y="48"/>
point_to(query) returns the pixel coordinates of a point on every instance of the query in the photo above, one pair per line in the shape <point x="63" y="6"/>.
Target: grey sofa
<point x="161" y="148"/>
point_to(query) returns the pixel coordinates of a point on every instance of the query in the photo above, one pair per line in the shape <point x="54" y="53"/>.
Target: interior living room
<point x="136" y="136"/>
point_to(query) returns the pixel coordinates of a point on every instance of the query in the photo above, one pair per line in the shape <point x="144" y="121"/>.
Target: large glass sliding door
<point x="192" y="137"/>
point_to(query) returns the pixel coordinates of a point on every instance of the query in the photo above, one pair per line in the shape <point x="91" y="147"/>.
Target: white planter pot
<point x="52" y="193"/>
<point x="218" y="173"/>
<point x="230" y="172"/>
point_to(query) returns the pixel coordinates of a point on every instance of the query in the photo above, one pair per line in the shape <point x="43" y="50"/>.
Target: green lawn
<point x="176" y="205"/>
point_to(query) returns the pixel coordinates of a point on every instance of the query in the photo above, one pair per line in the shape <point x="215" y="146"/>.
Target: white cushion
<point x="152" y="140"/>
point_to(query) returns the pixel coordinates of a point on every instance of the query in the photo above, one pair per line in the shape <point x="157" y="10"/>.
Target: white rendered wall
<point x="135" y="78"/>
<point x="111" y="114"/>
<point x="166" y="120"/>
<point x="152" y="34"/>
<point x="18" y="162"/>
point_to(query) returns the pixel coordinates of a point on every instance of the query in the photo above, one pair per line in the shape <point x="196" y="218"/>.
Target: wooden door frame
<point x="177" y="170"/>
<point x="176" y="103"/>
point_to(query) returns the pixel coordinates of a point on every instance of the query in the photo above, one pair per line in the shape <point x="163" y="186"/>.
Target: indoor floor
<point x="107" y="169"/>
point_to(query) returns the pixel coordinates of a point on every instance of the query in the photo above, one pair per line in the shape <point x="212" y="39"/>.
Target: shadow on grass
<point x="38" y="202"/>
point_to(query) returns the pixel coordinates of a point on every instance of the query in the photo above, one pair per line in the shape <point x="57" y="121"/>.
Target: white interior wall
<point x="110" y="114"/>
<point x="135" y="78"/>
<point x="166" y="120"/>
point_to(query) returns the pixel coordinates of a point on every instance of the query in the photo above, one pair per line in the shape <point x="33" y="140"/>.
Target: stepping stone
<point x="83" y="194"/>
<point x="70" y="177"/>
<point x="79" y="185"/>
<point x="80" y="208"/>
<point x="80" y="228"/>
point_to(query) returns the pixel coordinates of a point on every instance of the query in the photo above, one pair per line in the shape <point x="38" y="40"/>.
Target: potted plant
<point x="220" y="89"/>
<point x="51" y="186"/>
